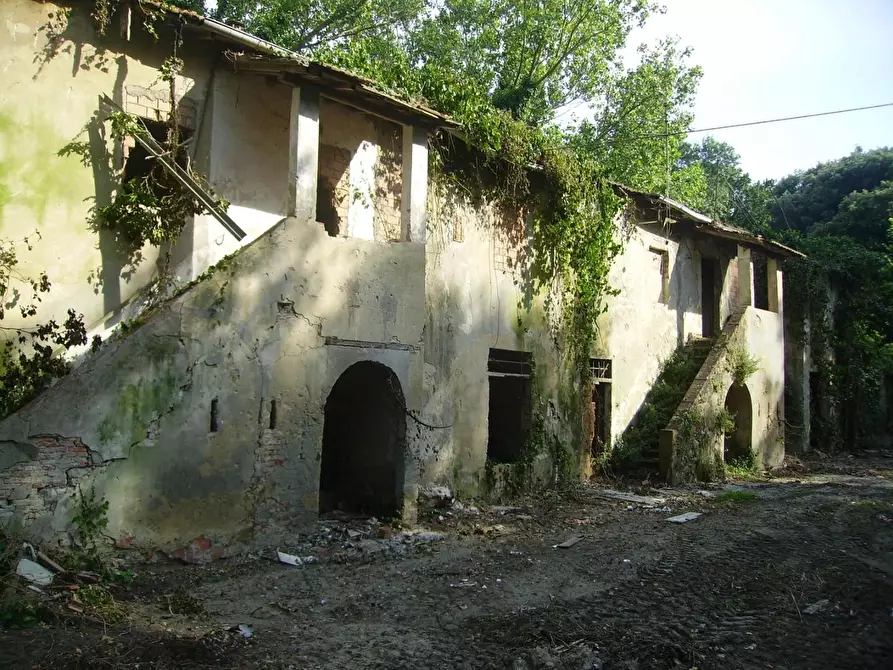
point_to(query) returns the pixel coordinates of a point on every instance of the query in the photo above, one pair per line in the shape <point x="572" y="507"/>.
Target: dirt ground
<point x="791" y="572"/>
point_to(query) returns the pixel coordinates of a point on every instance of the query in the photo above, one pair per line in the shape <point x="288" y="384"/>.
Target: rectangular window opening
<point x="215" y="416"/>
<point x="664" y="257"/>
<point x="760" y="279"/>
<point x="509" y="416"/>
<point x="140" y="164"/>
<point x="272" y="415"/>
<point x="711" y="286"/>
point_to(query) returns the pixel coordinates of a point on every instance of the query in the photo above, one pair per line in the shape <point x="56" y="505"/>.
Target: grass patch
<point x="736" y="496"/>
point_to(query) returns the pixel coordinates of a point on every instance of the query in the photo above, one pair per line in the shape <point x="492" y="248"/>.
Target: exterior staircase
<point x="675" y="378"/>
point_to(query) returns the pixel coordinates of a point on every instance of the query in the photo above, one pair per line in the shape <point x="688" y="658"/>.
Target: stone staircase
<point x="660" y="404"/>
<point x="697" y="349"/>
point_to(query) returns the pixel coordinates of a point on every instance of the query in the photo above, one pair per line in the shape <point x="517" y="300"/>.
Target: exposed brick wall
<point x="31" y="489"/>
<point x="156" y="105"/>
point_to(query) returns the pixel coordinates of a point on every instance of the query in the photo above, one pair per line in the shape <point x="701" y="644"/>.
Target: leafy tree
<point x="312" y="25"/>
<point x="529" y="57"/>
<point x="724" y="178"/>
<point x="839" y="213"/>
<point x="634" y="134"/>
<point x="813" y="197"/>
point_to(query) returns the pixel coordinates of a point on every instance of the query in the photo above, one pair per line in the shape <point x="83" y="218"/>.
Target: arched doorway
<point x="738" y="443"/>
<point x="363" y="443"/>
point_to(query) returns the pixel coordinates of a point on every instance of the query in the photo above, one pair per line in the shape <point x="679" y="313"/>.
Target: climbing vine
<point x="572" y="208"/>
<point x="696" y="452"/>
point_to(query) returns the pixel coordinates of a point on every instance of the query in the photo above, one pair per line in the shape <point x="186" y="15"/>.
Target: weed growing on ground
<point x="746" y="466"/>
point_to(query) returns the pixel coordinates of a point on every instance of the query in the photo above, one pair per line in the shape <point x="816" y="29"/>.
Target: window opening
<point x="509" y="417"/>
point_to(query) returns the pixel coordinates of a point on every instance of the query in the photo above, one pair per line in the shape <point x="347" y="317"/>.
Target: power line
<point x="765" y="121"/>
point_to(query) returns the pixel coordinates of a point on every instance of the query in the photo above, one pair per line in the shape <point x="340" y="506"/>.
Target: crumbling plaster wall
<point x="49" y="96"/>
<point x="473" y="295"/>
<point x="256" y="331"/>
<point x="643" y="326"/>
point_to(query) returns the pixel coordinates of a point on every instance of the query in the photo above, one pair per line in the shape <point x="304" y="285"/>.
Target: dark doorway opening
<point x="709" y="297"/>
<point x="738" y="443"/>
<point x="508" y="420"/>
<point x="363" y="443"/>
<point x="600" y="404"/>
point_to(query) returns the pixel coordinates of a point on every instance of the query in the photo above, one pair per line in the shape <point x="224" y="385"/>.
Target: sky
<point x="765" y="59"/>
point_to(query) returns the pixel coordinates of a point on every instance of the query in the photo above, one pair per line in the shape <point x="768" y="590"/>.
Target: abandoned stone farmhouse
<point x="348" y="332"/>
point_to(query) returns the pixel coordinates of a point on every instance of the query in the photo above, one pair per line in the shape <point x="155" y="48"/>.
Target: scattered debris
<point x="502" y="510"/>
<point x="495" y="529"/>
<point x="684" y="518"/>
<point x="290" y="559"/>
<point x="568" y="543"/>
<point x="463" y="584"/>
<point x="34" y="572"/>
<point x="354" y="534"/>
<point x="426" y="536"/>
<point x="815" y="607"/>
<point x="246" y="630"/>
<point x="49" y="562"/>
<point x="661" y="510"/>
<point x="89" y="577"/>
<point x="611" y="494"/>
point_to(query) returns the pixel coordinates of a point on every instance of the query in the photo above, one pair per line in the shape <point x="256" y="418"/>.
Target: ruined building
<point x="350" y="331"/>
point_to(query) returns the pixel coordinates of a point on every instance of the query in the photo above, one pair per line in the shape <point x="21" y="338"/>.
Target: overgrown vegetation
<point x="19" y="606"/>
<point x="662" y="400"/>
<point x="744" y="466"/>
<point x="736" y="496"/>
<point x="28" y="357"/>
<point x="741" y="364"/>
<point x="696" y="455"/>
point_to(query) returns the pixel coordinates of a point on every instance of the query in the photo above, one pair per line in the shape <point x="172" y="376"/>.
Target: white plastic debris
<point x="246" y="630"/>
<point x="684" y="518"/>
<point x="290" y="559"/>
<point x="34" y="572"/>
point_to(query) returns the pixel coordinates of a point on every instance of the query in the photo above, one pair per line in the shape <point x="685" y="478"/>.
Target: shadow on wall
<point x="76" y="38"/>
